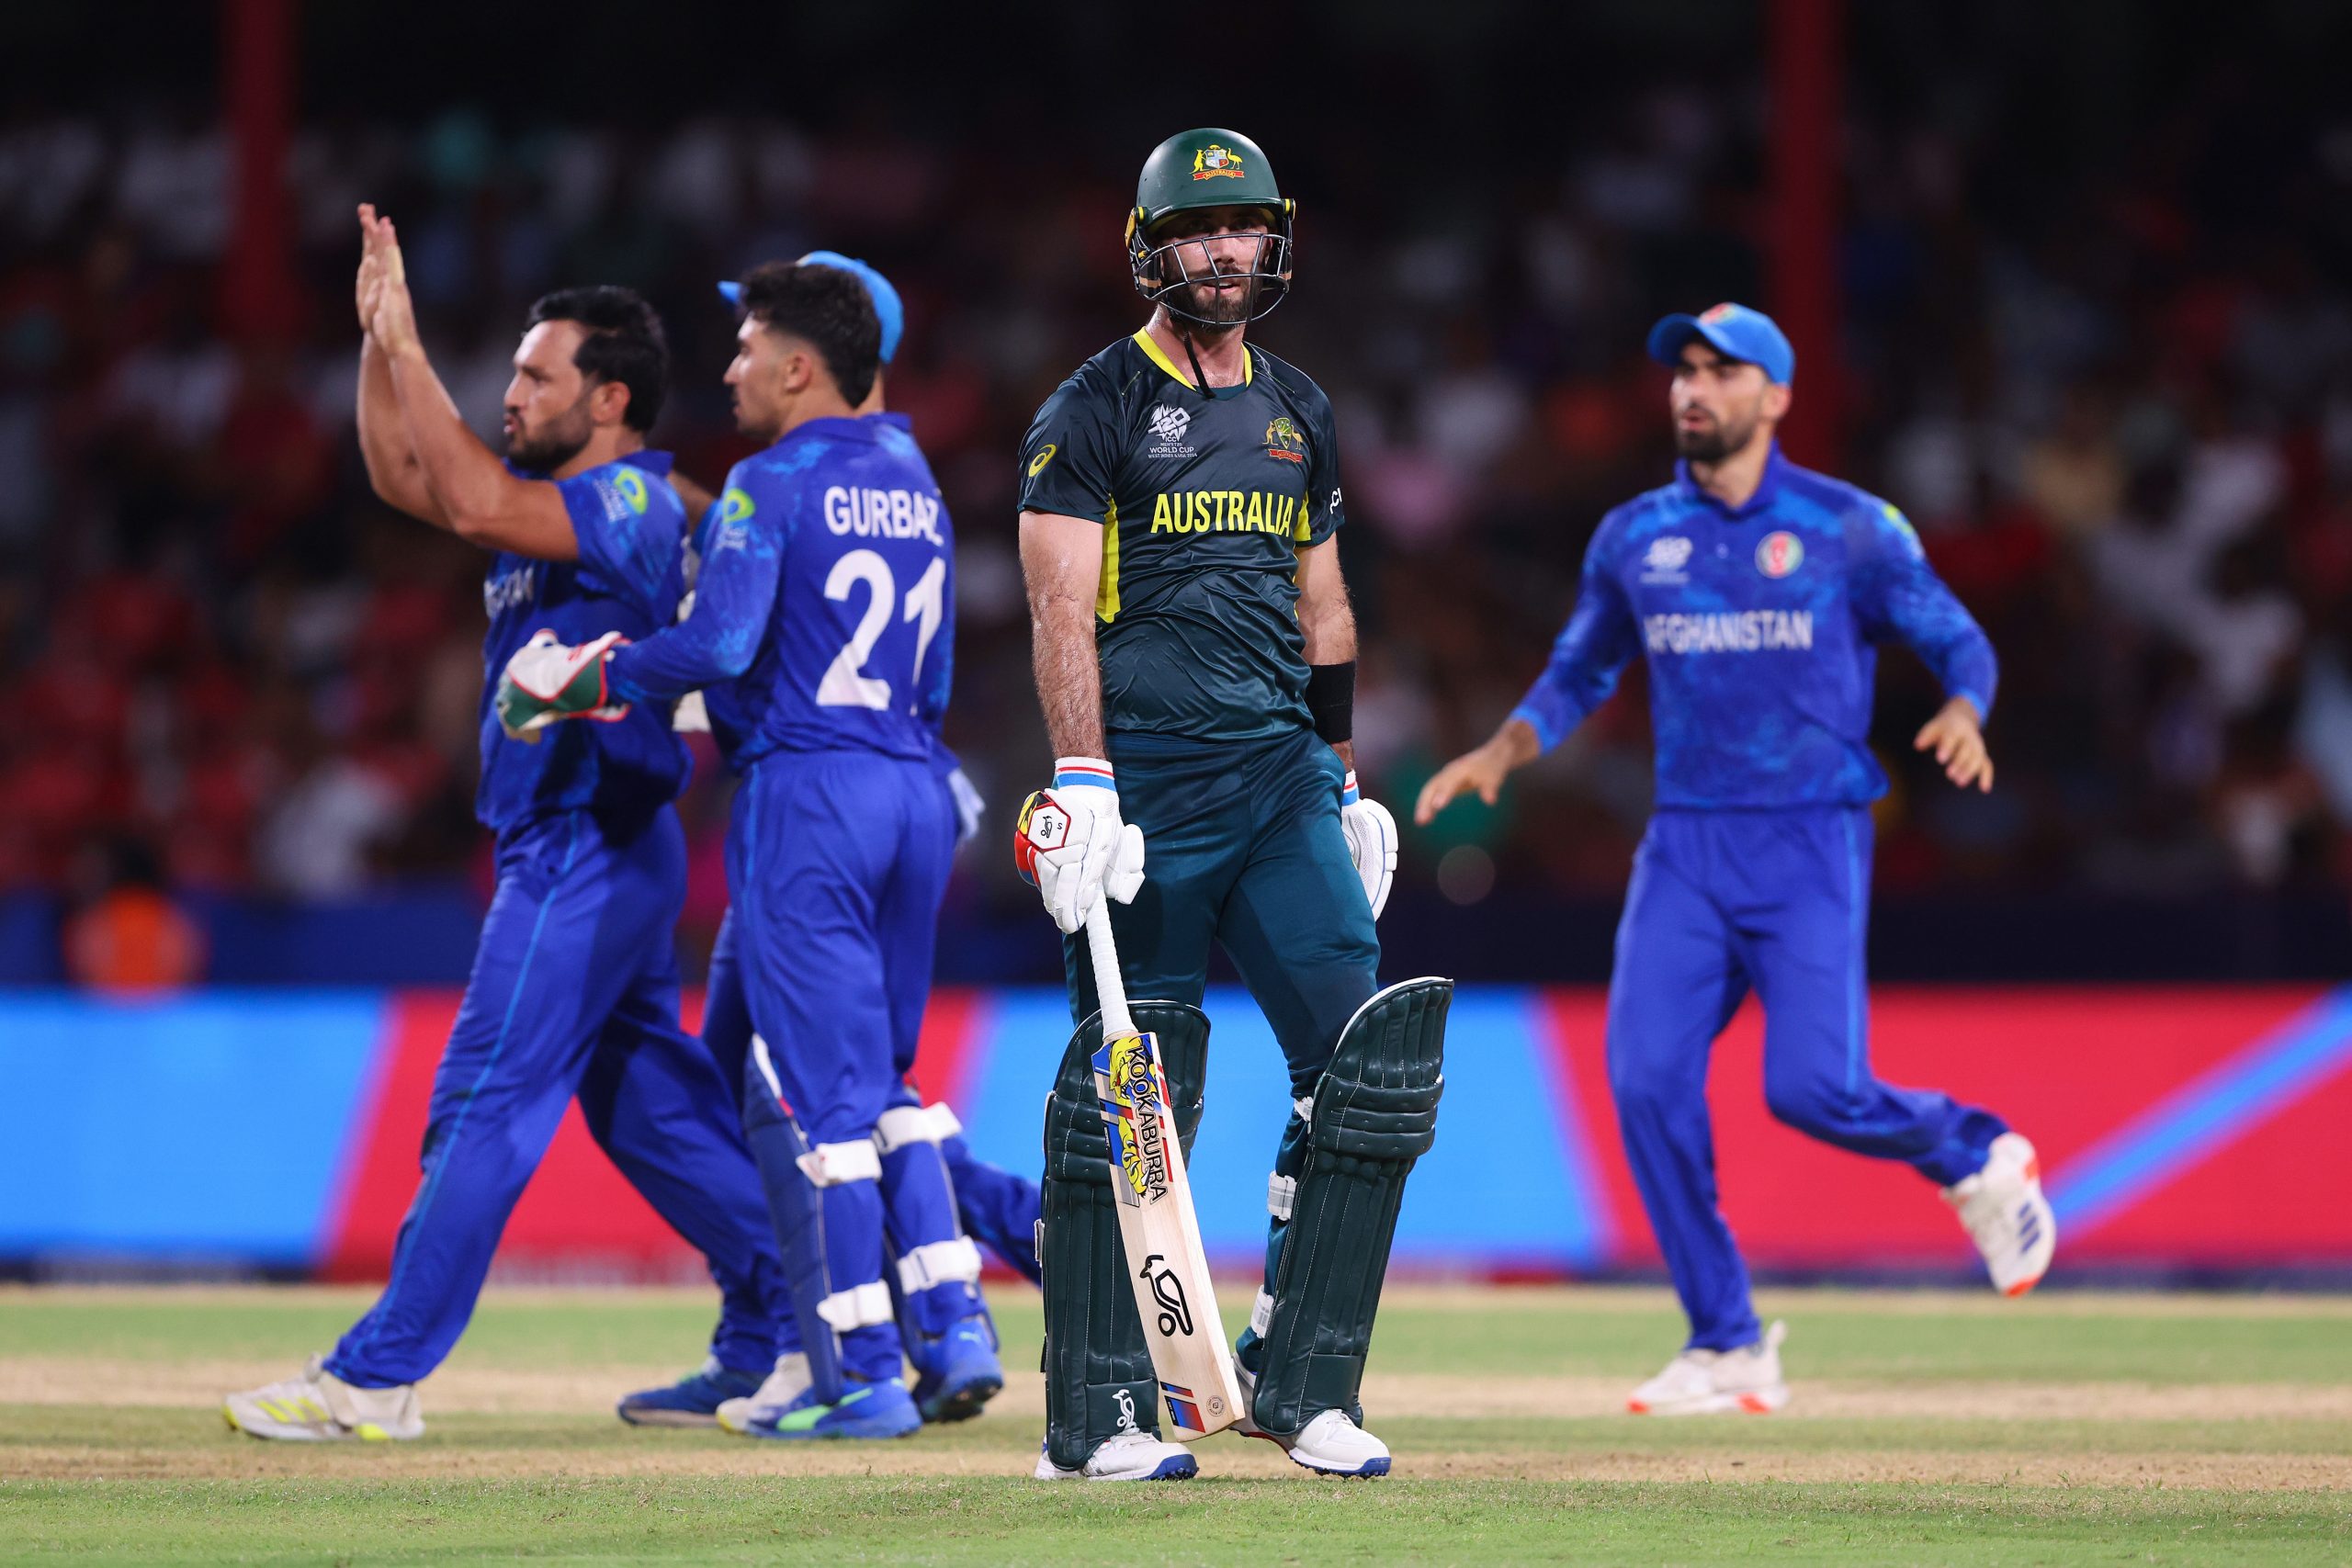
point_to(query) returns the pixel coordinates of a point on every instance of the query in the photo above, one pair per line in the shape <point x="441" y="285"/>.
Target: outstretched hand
<point x="369" y="288"/>
<point x="1957" y="739"/>
<point x="1483" y="771"/>
<point x="393" y="319"/>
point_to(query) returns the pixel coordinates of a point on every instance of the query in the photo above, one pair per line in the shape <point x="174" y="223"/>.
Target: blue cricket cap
<point x="888" y="310"/>
<point x="1733" y="331"/>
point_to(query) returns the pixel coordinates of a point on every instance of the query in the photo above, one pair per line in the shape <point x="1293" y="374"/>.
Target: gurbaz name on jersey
<point x="1730" y="631"/>
<point x="1226" y="512"/>
<point x="893" y="514"/>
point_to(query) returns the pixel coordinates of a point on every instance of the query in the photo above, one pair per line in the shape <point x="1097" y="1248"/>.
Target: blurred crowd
<point x="2120" y="417"/>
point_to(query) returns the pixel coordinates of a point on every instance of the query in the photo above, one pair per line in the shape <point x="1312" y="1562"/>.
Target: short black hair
<point x="625" y="344"/>
<point x="828" y="306"/>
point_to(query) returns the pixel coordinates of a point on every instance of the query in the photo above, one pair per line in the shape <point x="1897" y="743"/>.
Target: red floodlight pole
<point x="1807" y="53"/>
<point x="259" y="295"/>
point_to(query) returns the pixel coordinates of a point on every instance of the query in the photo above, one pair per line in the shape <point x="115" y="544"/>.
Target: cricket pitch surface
<point x="1925" y="1427"/>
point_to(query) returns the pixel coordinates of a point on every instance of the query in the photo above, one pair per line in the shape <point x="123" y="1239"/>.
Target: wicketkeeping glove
<point x="1372" y="843"/>
<point x="1072" y="846"/>
<point x="546" y="681"/>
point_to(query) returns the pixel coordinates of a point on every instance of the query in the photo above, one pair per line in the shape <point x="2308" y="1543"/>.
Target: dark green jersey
<point x="1205" y="502"/>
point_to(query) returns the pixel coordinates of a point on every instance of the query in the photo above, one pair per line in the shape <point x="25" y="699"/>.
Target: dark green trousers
<point x="1242" y="847"/>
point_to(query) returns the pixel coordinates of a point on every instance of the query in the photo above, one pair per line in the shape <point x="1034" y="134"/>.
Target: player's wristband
<point x="1331" y="700"/>
<point x="1089" y="771"/>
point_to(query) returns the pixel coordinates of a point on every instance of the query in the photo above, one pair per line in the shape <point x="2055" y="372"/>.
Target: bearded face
<point x="1704" y="436"/>
<point x="546" y="415"/>
<point x="1218" y="266"/>
<point x="549" y="444"/>
<point x="1221" y="277"/>
<point x="1719" y="404"/>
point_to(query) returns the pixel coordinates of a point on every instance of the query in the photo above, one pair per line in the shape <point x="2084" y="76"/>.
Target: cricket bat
<point x="1166" y="1265"/>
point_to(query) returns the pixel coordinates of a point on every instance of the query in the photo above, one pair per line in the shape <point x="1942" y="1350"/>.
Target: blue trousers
<point x="999" y="1209"/>
<point x="1777" y="901"/>
<point x="836" y="862"/>
<point x="574" y="991"/>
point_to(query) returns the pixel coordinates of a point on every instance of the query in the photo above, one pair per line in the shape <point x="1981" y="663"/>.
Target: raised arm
<point x="733" y="600"/>
<point x="478" y="500"/>
<point x="1061" y="558"/>
<point x="1591" y="652"/>
<point x="393" y="472"/>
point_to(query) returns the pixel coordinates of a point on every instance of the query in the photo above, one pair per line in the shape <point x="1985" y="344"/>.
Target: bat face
<point x="1133" y="1092"/>
<point x="1171" y="1282"/>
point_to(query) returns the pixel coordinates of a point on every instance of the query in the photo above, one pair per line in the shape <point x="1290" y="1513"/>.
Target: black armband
<point x="1331" y="700"/>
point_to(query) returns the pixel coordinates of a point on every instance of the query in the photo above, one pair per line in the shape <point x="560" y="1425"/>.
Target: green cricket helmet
<point x="1206" y="168"/>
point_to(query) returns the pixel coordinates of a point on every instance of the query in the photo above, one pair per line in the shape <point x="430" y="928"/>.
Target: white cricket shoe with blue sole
<point x="785" y="1384"/>
<point x="2007" y="1216"/>
<point x="876" y="1409"/>
<point x="1130" y="1455"/>
<point x="1330" y="1444"/>
<point x="1718" y="1382"/>
<point x="319" y="1407"/>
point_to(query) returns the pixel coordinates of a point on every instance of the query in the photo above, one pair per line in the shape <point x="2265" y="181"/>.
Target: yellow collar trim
<point x="1144" y="341"/>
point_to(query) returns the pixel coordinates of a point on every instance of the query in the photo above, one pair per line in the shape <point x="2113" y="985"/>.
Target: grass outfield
<point x="1926" y="1428"/>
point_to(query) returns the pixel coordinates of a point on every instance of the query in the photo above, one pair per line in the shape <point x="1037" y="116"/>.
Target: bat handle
<point x="1108" y="986"/>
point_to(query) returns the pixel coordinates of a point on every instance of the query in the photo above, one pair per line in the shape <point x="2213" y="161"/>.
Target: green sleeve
<point x="1066" y="459"/>
<point x="1324" y="514"/>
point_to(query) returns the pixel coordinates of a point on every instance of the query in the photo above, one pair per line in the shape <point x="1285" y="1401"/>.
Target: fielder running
<point x="1760" y="592"/>
<point x="821" y="636"/>
<point x="1196" y="660"/>
<point x="574" y="988"/>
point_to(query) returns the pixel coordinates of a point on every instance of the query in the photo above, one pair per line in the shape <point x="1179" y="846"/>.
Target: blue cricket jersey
<point x="629" y="577"/>
<point x="824" y="612"/>
<point x="1762" y="628"/>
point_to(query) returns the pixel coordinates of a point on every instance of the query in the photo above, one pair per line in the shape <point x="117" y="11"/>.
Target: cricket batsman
<point x="821" y="636"/>
<point x="574" y="988"/>
<point x="1194" y="657"/>
<point x="1759" y="592"/>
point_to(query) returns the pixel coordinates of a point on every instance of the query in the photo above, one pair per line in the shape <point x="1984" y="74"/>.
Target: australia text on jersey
<point x="1224" y="511"/>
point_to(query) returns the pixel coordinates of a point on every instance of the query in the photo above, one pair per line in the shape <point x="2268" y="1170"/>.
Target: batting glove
<point x="1072" y="846"/>
<point x="1372" y="843"/>
<point x="546" y="681"/>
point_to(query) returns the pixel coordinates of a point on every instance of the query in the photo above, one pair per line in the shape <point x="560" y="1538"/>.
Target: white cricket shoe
<point x="1710" y="1383"/>
<point x="1129" y="1456"/>
<point x="1330" y="1444"/>
<point x="2007" y="1216"/>
<point x="787" y="1382"/>
<point x="319" y="1407"/>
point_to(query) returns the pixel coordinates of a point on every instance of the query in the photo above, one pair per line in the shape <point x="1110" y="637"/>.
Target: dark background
<point x="2077" y="300"/>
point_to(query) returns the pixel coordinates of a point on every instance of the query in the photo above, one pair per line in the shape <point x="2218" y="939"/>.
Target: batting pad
<point x="1372" y="1115"/>
<point x="1099" y="1379"/>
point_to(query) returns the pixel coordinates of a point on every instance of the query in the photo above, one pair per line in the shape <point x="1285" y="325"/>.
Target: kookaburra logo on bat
<point x="1175" y="1312"/>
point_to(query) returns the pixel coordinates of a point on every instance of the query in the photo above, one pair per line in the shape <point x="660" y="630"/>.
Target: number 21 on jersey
<point x="847" y="685"/>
